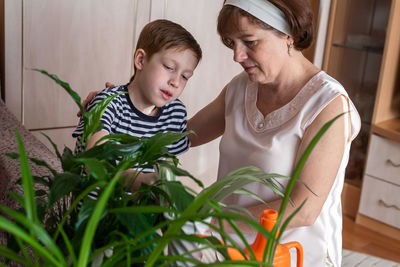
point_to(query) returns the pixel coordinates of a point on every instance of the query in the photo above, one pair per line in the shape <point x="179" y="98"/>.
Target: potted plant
<point x="60" y="225"/>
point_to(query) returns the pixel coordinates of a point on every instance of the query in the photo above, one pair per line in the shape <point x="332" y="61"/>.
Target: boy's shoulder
<point x="113" y="90"/>
<point x="175" y="104"/>
<point x="108" y="92"/>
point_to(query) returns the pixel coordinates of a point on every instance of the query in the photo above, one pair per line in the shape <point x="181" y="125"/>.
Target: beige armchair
<point x="10" y="168"/>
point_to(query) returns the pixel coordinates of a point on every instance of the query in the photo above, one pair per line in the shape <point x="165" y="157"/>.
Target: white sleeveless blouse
<point x="271" y="143"/>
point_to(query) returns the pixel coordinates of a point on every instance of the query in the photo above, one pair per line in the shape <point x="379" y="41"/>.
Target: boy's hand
<point x="89" y="98"/>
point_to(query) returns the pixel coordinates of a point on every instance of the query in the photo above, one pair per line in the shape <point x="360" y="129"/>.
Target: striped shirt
<point x="121" y="117"/>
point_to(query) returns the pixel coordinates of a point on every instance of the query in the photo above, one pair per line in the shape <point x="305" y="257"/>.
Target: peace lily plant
<point x="59" y="225"/>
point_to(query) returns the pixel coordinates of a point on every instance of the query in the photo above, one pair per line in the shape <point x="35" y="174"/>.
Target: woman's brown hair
<point x="298" y="14"/>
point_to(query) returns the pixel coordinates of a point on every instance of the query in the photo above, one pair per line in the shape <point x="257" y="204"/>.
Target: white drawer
<point x="380" y="200"/>
<point x="384" y="159"/>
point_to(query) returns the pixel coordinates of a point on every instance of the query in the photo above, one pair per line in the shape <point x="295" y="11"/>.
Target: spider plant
<point x="58" y="224"/>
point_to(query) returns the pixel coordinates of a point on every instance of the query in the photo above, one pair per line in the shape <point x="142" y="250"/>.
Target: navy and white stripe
<point x="121" y="117"/>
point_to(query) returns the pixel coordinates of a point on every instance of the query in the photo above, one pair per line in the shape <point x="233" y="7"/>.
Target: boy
<point x="165" y="58"/>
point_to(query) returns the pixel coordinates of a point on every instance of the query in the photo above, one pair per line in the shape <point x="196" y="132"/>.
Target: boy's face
<point x="163" y="78"/>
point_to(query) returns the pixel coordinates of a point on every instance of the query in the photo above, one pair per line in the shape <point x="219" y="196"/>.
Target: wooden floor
<point x="361" y="239"/>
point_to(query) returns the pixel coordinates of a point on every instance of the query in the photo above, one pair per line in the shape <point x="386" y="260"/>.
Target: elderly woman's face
<point x="262" y="53"/>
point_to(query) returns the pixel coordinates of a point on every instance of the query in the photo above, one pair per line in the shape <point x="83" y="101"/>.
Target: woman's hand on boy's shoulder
<point x="90" y="96"/>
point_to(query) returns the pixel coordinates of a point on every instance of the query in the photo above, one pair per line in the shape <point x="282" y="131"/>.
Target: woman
<point x="269" y="113"/>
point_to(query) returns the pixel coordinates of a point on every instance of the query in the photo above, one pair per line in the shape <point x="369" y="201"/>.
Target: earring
<point x="290" y="49"/>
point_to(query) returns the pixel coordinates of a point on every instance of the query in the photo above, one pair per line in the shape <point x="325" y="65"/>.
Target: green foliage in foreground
<point x="60" y="225"/>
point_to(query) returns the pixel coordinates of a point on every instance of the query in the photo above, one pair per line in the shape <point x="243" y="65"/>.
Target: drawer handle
<point x="386" y="205"/>
<point x="392" y="163"/>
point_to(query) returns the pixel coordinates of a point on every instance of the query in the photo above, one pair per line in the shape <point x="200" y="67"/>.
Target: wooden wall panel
<point x="84" y="42"/>
<point x="2" y="61"/>
<point x="13" y="55"/>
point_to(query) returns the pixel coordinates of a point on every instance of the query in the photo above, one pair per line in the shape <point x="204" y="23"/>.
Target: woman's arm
<point x="208" y="123"/>
<point x="321" y="168"/>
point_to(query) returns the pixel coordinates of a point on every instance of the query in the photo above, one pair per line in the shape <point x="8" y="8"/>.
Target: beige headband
<point x="264" y="11"/>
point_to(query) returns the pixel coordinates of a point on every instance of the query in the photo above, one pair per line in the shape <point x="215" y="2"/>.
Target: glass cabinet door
<point x="353" y="56"/>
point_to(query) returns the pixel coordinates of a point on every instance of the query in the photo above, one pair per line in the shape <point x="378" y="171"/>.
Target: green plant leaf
<point x="37" y="231"/>
<point x="40" y="193"/>
<point x="20" y="233"/>
<point x="27" y="182"/>
<point x="39" y="162"/>
<point x="198" y="207"/>
<point x="85" y="211"/>
<point x="53" y="145"/>
<point x="66" y="86"/>
<point x="95" y="166"/>
<point x="179" y="172"/>
<point x="182" y="199"/>
<point x="113" y="151"/>
<point x="74" y="205"/>
<point x="94" y="221"/>
<point x="68" y="161"/>
<point x="155" y="146"/>
<point x="137" y="223"/>
<point x="120" y="138"/>
<point x="43" y="180"/>
<point x="63" y="184"/>
<point x="92" y="122"/>
<point x="18" y="198"/>
<point x="236" y="180"/>
<point x="174" y="228"/>
<point x="34" y="160"/>
<point x="249" y="193"/>
<point x="11" y="255"/>
<point x="12" y="155"/>
<point x="142" y="209"/>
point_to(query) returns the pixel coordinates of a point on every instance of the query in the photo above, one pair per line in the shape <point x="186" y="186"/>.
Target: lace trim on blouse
<point x="259" y="123"/>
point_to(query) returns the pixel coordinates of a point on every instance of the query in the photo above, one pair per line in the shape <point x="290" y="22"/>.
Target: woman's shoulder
<point x="328" y="83"/>
<point x="240" y="79"/>
<point x="320" y="89"/>
<point x="237" y="84"/>
<point x="326" y="91"/>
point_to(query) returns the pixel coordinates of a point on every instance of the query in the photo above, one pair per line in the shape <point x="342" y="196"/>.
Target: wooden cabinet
<point x="380" y="205"/>
<point x="353" y="56"/>
<point x="363" y="53"/>
<point x="85" y="43"/>
<point x="381" y="185"/>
